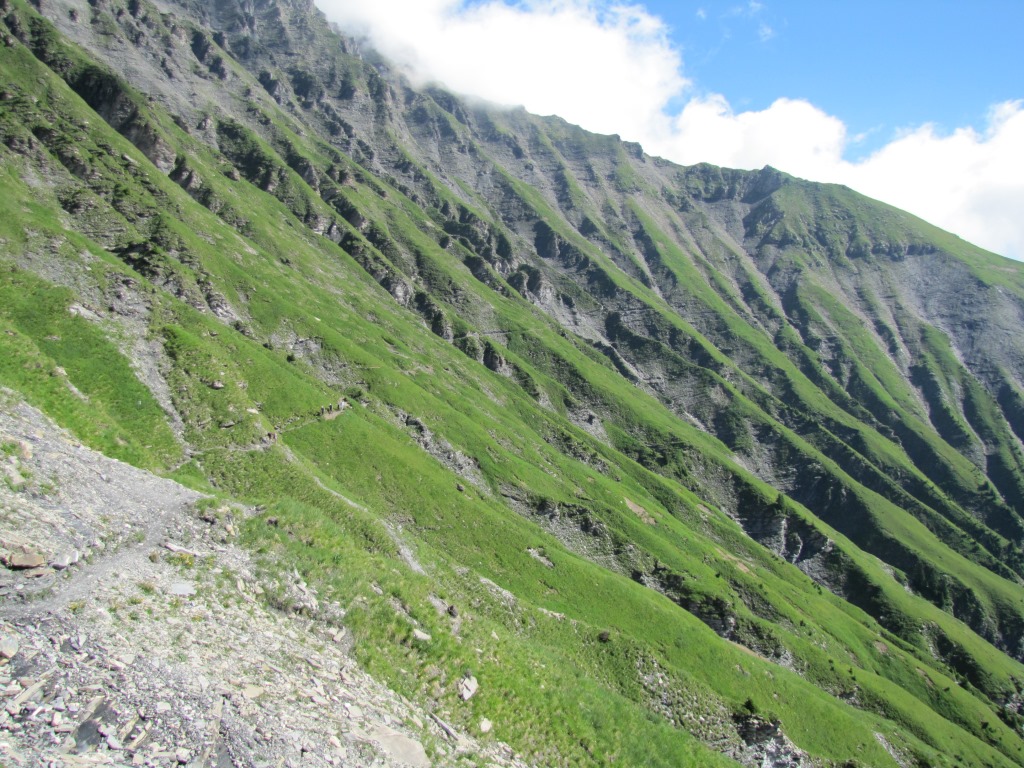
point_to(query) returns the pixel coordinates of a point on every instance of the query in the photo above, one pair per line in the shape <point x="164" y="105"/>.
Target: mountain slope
<point x="734" y="458"/>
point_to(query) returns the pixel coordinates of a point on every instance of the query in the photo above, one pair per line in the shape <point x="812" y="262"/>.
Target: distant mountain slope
<point x="734" y="458"/>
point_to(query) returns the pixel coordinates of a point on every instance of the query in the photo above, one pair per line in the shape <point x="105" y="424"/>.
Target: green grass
<point x="69" y="368"/>
<point x="312" y="325"/>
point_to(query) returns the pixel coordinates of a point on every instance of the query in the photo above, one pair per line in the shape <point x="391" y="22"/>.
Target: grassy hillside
<point x="684" y="465"/>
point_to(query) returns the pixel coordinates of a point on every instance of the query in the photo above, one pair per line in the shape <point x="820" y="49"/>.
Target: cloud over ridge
<point x="611" y="67"/>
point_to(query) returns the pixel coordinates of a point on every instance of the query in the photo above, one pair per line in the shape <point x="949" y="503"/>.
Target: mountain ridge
<point x="836" y="377"/>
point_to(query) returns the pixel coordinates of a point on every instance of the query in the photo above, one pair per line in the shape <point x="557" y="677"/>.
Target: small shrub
<point x="181" y="559"/>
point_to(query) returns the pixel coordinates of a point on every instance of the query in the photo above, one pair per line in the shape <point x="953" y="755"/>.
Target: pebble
<point x="182" y="755"/>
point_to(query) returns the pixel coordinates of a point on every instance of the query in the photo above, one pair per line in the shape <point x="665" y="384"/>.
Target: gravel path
<point x="133" y="632"/>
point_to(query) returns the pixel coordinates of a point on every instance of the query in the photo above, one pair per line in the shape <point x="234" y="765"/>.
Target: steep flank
<point x="680" y="465"/>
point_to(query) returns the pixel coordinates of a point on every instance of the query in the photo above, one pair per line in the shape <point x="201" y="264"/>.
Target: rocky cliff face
<point x="814" y="400"/>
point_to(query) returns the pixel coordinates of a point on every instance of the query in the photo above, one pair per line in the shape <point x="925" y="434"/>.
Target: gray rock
<point x="420" y="635"/>
<point x="252" y="692"/>
<point x="14" y="478"/>
<point x="65" y="560"/>
<point x="467" y="687"/>
<point x="401" y="748"/>
<point x="77" y="310"/>
<point x="8" y="647"/>
<point x="182" y="755"/>
<point x="182" y="589"/>
<point x="24" y="560"/>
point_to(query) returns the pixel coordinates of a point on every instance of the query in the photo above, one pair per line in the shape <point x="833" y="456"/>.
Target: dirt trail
<point x="144" y="634"/>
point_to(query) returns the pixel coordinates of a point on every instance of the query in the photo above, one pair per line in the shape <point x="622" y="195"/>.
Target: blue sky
<point x="918" y="104"/>
<point x="879" y="66"/>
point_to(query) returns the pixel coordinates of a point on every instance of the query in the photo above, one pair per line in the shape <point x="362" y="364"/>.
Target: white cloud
<point x="792" y="135"/>
<point x="968" y="182"/>
<point x="606" y="66"/>
<point x="610" y="67"/>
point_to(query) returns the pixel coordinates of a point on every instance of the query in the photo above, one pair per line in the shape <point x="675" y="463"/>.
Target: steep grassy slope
<point x="678" y="462"/>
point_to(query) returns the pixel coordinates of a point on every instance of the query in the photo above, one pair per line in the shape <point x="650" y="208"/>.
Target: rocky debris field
<point x="133" y="632"/>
